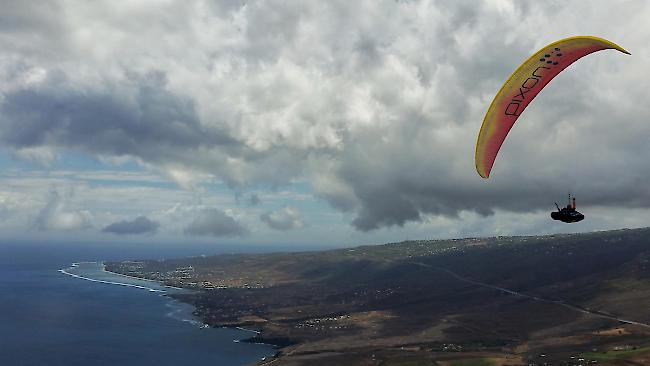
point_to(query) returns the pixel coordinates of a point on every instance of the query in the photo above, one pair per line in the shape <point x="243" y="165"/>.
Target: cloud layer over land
<point x="373" y="106"/>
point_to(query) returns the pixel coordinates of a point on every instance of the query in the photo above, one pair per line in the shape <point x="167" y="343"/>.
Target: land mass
<point x="573" y="299"/>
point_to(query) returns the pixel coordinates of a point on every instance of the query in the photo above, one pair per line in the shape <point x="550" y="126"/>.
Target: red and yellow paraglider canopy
<point x="522" y="86"/>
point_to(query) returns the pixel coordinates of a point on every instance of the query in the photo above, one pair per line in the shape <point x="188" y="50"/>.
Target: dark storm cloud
<point x="376" y="104"/>
<point x="139" y="225"/>
<point x="154" y="125"/>
<point x="213" y="222"/>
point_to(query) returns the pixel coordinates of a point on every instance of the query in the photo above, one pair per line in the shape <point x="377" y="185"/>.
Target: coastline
<point x="169" y="312"/>
<point x="424" y="301"/>
<point x="256" y="339"/>
<point x="76" y="264"/>
<point x="253" y="340"/>
<point x="162" y="292"/>
<point x="139" y="278"/>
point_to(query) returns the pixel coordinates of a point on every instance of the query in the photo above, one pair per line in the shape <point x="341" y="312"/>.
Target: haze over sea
<point x="50" y="318"/>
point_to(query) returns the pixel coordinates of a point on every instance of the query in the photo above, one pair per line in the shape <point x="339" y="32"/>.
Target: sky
<point x="311" y="123"/>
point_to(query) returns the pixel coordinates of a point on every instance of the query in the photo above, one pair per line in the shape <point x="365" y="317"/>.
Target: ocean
<point x="54" y="313"/>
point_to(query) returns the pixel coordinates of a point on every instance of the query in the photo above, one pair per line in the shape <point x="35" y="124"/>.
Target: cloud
<point x="213" y="222"/>
<point x="139" y="225"/>
<point x="254" y="199"/>
<point x="58" y="216"/>
<point x="143" y="120"/>
<point x="41" y="155"/>
<point x="284" y="219"/>
<point x="4" y="211"/>
<point x="375" y="104"/>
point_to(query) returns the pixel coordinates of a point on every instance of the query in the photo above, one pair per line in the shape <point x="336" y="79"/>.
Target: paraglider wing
<point x="522" y="86"/>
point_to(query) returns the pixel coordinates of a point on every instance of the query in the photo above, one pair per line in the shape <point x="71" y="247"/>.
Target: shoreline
<point x="138" y="278"/>
<point x="76" y="264"/>
<point x="193" y="319"/>
<point x="251" y="340"/>
<point x="163" y="293"/>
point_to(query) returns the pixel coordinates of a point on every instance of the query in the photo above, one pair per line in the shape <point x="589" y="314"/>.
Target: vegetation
<point x="405" y="303"/>
<point x="473" y="362"/>
<point x="623" y="354"/>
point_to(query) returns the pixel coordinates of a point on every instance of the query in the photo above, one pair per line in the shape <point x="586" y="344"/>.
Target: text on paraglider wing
<point x="512" y="109"/>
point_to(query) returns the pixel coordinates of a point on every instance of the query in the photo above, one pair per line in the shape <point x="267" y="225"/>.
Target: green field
<point x="473" y="362"/>
<point x="615" y="355"/>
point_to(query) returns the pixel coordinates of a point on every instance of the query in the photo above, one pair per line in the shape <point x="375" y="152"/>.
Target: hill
<point x="558" y="299"/>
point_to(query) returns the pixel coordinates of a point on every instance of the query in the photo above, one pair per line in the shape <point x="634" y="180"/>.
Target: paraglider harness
<point x="567" y="214"/>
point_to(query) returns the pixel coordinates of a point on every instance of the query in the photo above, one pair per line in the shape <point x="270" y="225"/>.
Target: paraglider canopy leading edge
<point x="522" y="86"/>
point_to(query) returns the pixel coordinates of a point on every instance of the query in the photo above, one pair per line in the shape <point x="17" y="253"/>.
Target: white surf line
<point x="174" y="314"/>
<point x="176" y="310"/>
<point x="557" y="302"/>
<point x="248" y="330"/>
<point x="108" y="282"/>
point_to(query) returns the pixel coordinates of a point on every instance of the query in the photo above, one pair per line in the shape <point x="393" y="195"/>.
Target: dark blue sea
<point x="54" y="313"/>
